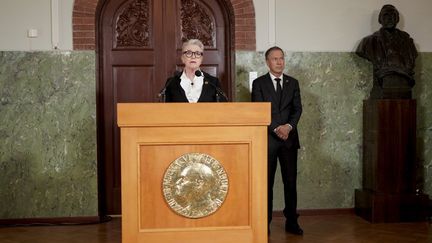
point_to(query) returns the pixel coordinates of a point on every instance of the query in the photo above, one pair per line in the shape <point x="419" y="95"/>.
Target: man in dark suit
<point x="283" y="142"/>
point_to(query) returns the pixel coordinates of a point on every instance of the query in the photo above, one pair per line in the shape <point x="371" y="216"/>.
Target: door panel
<point x="133" y="84"/>
<point x="139" y="47"/>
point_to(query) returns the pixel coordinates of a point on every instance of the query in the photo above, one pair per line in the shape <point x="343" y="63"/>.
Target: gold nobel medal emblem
<point x="195" y="185"/>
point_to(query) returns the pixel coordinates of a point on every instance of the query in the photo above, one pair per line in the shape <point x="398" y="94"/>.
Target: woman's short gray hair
<point x="195" y="42"/>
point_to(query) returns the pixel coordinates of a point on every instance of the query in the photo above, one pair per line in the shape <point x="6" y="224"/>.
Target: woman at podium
<point x="193" y="85"/>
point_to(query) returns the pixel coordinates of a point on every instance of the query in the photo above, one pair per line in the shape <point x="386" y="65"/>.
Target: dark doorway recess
<point x="138" y="48"/>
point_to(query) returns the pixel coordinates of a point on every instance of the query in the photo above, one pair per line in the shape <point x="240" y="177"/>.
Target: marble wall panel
<point x="47" y="134"/>
<point x="423" y="93"/>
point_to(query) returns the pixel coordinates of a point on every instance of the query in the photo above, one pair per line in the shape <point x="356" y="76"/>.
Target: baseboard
<point x="316" y="212"/>
<point x="54" y="221"/>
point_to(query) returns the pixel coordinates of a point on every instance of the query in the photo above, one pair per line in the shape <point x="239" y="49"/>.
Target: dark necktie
<point x="278" y="89"/>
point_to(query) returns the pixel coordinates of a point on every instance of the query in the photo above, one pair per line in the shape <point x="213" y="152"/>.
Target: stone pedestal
<point x="390" y="192"/>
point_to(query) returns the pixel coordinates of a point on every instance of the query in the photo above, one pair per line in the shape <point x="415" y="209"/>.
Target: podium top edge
<point x="193" y="114"/>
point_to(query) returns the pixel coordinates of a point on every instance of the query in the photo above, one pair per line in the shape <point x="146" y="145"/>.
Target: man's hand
<point x="283" y="131"/>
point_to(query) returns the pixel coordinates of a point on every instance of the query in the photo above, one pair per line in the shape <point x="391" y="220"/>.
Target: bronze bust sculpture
<point x="392" y="53"/>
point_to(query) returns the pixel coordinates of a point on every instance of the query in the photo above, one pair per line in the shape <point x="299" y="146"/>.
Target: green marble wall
<point x="333" y="86"/>
<point x="423" y="94"/>
<point x="48" y="129"/>
<point x="47" y="134"/>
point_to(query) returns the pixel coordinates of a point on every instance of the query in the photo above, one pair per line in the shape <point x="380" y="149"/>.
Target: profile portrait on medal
<point x="193" y="188"/>
<point x="195" y="185"/>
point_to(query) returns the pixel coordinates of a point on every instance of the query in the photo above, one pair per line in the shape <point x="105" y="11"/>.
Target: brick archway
<point x="83" y="24"/>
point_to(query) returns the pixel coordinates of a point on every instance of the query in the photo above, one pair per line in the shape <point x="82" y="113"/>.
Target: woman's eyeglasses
<point x="196" y="54"/>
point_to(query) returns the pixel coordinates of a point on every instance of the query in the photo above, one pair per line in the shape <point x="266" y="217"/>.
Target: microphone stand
<point x="219" y="91"/>
<point x="162" y="96"/>
<point x="162" y="93"/>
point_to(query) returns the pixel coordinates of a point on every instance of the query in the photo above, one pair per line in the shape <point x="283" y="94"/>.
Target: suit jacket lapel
<point x="285" y="93"/>
<point x="180" y="89"/>
<point x="270" y="88"/>
<point x="205" y="88"/>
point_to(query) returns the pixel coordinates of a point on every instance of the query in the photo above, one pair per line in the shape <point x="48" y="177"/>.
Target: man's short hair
<point x="274" y="48"/>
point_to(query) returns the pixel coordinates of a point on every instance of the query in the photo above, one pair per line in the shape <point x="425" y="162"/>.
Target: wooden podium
<point x="153" y="135"/>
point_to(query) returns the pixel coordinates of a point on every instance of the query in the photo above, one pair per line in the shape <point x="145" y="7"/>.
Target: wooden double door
<point x="138" y="48"/>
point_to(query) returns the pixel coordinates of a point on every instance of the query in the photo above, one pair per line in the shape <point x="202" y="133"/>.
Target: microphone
<point x="161" y="95"/>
